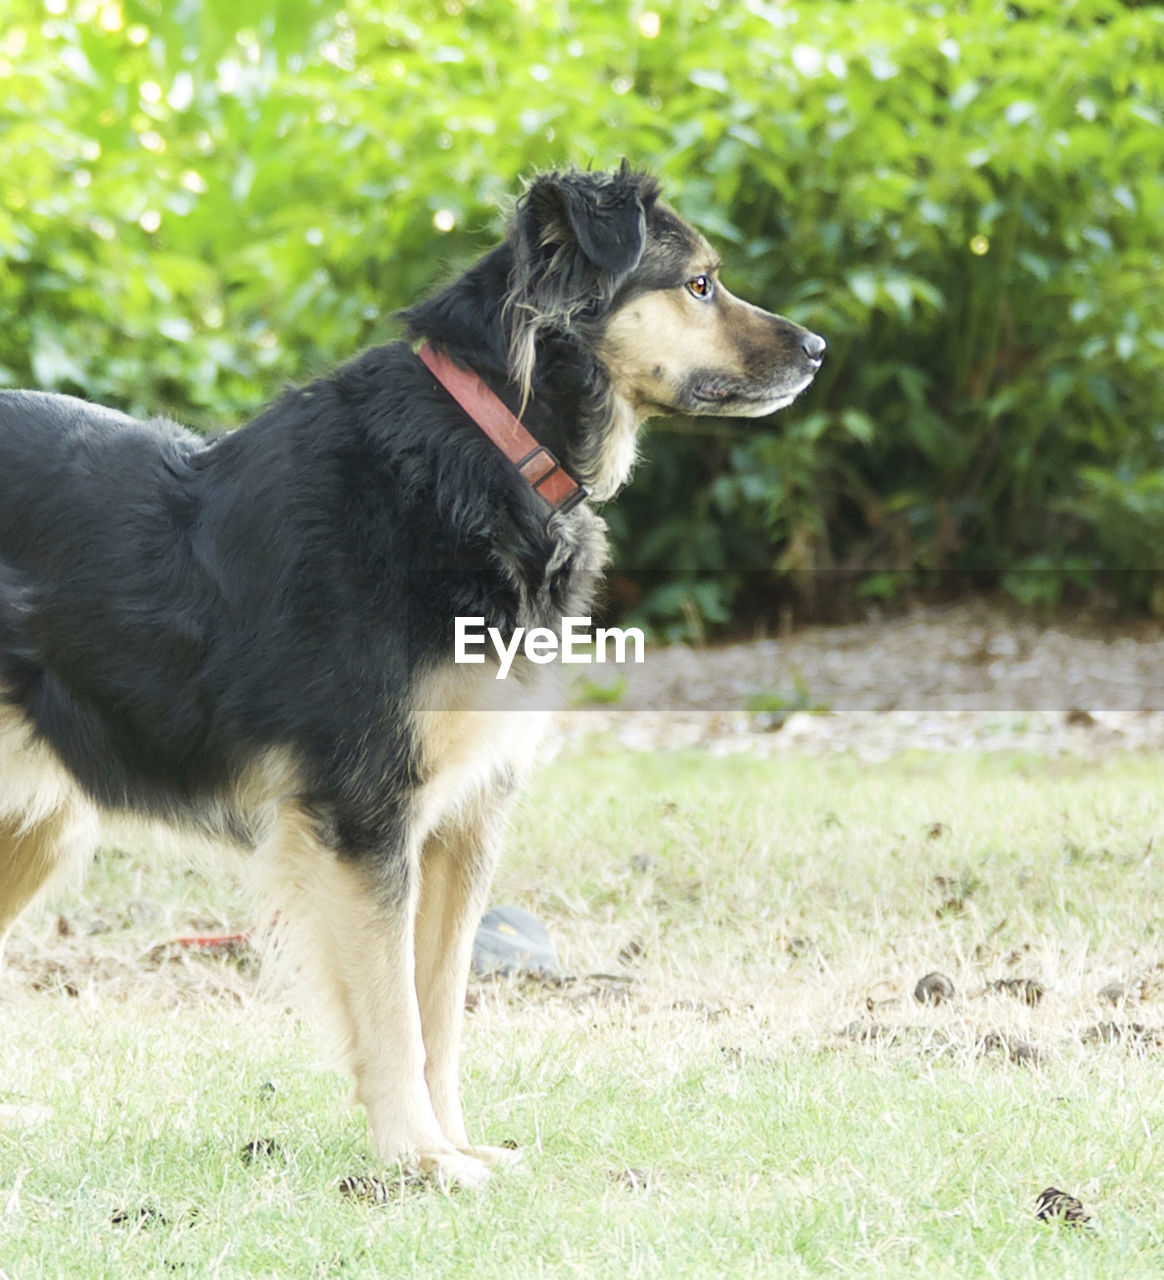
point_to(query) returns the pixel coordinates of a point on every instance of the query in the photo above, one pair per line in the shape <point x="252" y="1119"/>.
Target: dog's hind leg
<point x="31" y="853"/>
<point x="457" y="864"/>
<point x="359" y="930"/>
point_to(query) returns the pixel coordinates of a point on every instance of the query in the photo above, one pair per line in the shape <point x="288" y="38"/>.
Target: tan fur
<point x="478" y="740"/>
<point x="365" y="969"/>
<point x="363" y="947"/>
<point x="522" y="358"/>
<point x="33" y="783"/>
<point x="456" y="865"/>
<point x="47" y="830"/>
<point x="33" y="856"/>
<point x="620" y="450"/>
<point x="390" y="974"/>
<point x="474" y="731"/>
<point x="650" y="345"/>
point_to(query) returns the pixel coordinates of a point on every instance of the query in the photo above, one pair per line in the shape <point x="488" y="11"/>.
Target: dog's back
<point x="101" y="622"/>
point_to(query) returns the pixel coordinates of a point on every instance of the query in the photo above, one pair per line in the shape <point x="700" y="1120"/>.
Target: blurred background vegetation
<point x="203" y="200"/>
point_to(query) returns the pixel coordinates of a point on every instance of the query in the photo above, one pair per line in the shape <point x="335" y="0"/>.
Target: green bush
<point x="201" y="202"/>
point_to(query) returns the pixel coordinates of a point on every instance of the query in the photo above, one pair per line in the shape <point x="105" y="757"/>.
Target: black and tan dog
<point x="251" y="637"/>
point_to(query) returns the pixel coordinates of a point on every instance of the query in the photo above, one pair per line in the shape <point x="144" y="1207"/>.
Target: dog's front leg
<point x="359" y="924"/>
<point x="457" y="864"/>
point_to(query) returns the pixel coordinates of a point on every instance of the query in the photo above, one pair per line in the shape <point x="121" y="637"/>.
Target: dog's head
<point x="600" y="256"/>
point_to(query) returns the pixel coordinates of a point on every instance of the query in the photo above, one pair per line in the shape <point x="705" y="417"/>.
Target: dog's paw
<point x="451" y="1171"/>
<point x="495" y="1157"/>
<point x="447" y="1171"/>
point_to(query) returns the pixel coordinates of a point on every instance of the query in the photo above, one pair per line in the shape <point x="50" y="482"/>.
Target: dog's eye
<point x="701" y="287"/>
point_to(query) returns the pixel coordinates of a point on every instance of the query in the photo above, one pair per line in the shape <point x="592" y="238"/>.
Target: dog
<point x="250" y="636"/>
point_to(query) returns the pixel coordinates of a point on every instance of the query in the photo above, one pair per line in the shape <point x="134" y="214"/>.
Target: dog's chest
<point x="567" y="579"/>
<point x="476" y="735"/>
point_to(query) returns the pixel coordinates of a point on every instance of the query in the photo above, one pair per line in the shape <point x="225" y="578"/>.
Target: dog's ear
<point x="610" y="226"/>
<point x="603" y="216"/>
<point x="575" y="236"/>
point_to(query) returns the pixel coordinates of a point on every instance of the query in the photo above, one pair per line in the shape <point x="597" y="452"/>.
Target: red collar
<point x="537" y="465"/>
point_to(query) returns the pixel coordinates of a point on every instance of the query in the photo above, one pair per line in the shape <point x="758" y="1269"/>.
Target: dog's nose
<point x="813" y="346"/>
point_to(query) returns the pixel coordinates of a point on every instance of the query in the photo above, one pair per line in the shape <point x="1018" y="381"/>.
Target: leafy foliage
<point x="202" y="201"/>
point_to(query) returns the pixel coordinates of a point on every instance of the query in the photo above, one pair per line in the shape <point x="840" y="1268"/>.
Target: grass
<point x="736" y="1081"/>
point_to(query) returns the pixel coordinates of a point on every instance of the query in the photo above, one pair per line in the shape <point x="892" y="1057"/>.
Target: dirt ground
<point x="978" y="674"/>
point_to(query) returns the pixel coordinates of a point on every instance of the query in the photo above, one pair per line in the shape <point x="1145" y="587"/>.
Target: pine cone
<point x="1054" y="1203"/>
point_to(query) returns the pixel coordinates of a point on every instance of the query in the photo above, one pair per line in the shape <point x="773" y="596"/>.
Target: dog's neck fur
<point x="575" y="411"/>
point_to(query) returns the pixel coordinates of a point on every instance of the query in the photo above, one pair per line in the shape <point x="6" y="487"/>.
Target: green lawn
<point x="737" y="1081"/>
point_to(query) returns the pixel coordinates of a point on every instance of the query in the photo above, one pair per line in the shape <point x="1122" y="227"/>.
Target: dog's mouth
<point x="713" y="393"/>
